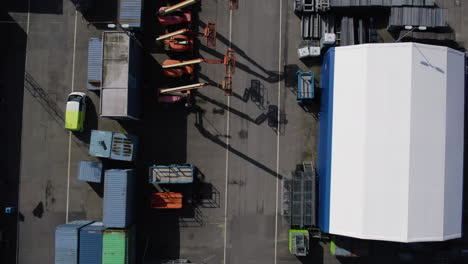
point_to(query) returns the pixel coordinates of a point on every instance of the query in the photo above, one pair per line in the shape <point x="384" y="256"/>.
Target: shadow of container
<point x="12" y="70"/>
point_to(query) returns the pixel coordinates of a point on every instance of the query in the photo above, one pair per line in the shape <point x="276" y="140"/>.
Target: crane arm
<point x="175" y="33"/>
<point x="180" y="5"/>
<point x="183" y="88"/>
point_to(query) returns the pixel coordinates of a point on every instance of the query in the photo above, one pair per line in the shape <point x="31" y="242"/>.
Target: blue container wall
<point x="119" y="192"/>
<point x="67" y="241"/>
<point x="90" y="171"/>
<point x="91" y="244"/>
<point x="325" y="139"/>
<point x="94" y="63"/>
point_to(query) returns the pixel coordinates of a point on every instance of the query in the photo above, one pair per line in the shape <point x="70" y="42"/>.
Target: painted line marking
<point x="227" y="153"/>
<point x="70" y="133"/>
<point x="278" y="129"/>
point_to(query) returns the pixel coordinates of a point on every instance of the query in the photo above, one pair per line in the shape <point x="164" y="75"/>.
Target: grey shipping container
<point x="91" y="243"/>
<point x="94" y="63"/>
<point x="67" y="242"/>
<point x="90" y="171"/>
<point x="119" y="192"/>
<point x="130" y="13"/>
<point x="121" y="76"/>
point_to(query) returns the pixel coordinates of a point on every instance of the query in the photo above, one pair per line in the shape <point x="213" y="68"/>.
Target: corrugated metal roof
<point x="130" y="13"/>
<point x="114" y="247"/>
<point x="100" y="143"/>
<point x="118" y="198"/>
<point x="94" y="63"/>
<point x="66" y="242"/>
<point x="91" y="244"/>
<point x="123" y="147"/>
<point x="90" y="171"/>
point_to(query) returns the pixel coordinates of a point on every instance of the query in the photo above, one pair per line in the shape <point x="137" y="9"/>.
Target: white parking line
<point x="69" y="133"/>
<point x="278" y="129"/>
<point x="227" y="153"/>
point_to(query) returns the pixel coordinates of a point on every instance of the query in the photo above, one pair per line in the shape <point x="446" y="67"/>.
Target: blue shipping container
<point x="67" y="241"/>
<point x="91" y="243"/>
<point x="94" y="63"/>
<point x="119" y="192"/>
<point x="90" y="171"/>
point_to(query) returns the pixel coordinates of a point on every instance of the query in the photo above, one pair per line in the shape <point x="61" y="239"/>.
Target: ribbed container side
<point x="90" y="171"/>
<point x="130" y="13"/>
<point x="67" y="241"/>
<point x="91" y="244"/>
<point x="100" y="143"/>
<point x="94" y="63"/>
<point x="119" y="193"/>
<point x="115" y="247"/>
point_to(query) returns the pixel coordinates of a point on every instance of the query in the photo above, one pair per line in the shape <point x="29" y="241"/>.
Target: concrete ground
<point x="243" y="145"/>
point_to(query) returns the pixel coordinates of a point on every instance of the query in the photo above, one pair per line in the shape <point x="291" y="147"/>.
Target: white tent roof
<point x="397" y="142"/>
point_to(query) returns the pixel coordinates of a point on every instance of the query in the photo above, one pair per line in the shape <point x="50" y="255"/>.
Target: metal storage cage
<point x="123" y="147"/>
<point x="171" y="174"/>
<point x="67" y="242"/>
<point x="119" y="198"/>
<point x="94" y="64"/>
<point x="90" y="171"/>
<point x="305" y="86"/>
<point x="299" y="197"/>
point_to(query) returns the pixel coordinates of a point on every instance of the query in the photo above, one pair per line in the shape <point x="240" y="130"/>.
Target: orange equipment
<point x="169" y="9"/>
<point x="166" y="200"/>
<point x="179" y="43"/>
<point x="175" y="18"/>
<point x="177" y="72"/>
<point x="209" y="33"/>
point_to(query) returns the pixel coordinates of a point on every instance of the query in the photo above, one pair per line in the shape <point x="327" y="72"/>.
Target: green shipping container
<point x="116" y="246"/>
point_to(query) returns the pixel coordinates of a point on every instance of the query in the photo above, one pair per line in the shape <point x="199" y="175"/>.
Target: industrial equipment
<point x="175" y="18"/>
<point x="175" y="94"/>
<point x="166" y="200"/>
<point x="171" y="174"/>
<point x="298" y="242"/>
<point x="308" y="48"/>
<point x="209" y="33"/>
<point x="305" y="87"/>
<point x="165" y="10"/>
<point x="179" y="43"/>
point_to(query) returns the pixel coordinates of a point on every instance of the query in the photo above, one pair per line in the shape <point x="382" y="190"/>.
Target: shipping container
<point x="117" y="146"/>
<point x="130" y="13"/>
<point x="119" y="192"/>
<point x="121" y="76"/>
<point x="67" y="242"/>
<point x="94" y="63"/>
<point x="91" y="243"/>
<point x="171" y="174"/>
<point x="118" y="246"/>
<point x="90" y="171"/>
